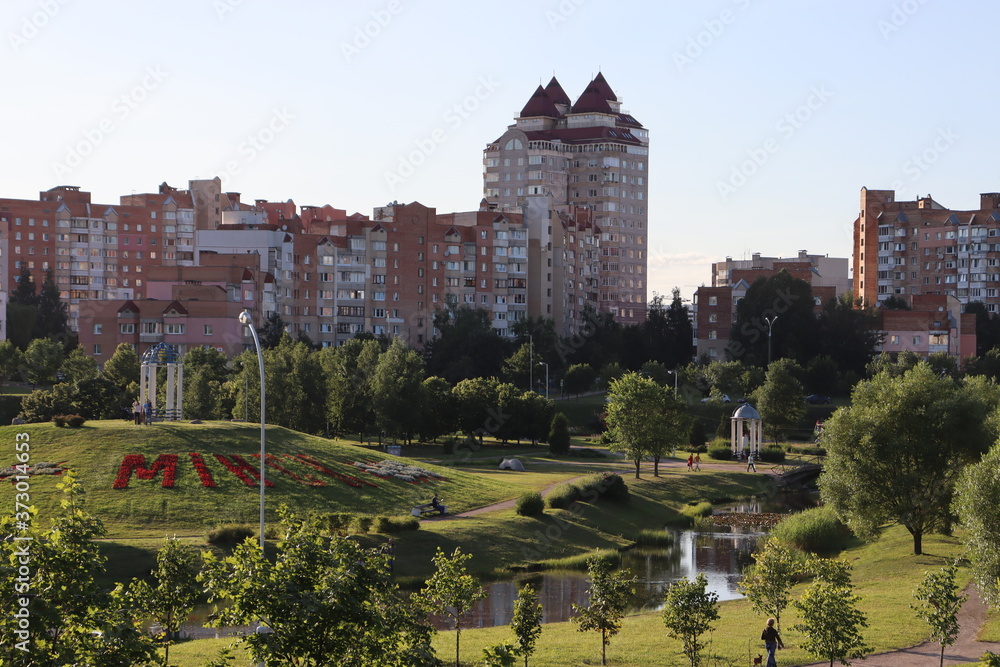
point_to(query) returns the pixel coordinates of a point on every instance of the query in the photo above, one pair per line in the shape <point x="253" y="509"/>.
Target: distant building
<point x="936" y="324"/>
<point x="919" y="247"/>
<point x="561" y="156"/>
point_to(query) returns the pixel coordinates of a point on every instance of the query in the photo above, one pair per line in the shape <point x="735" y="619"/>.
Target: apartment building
<point x="918" y="247"/>
<point x="590" y="154"/>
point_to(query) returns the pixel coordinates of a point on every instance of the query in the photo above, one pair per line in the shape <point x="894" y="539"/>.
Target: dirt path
<point x="965" y="650"/>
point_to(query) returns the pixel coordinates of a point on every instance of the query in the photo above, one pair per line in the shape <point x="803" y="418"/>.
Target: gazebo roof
<point x="161" y="353"/>
<point x="746" y="411"/>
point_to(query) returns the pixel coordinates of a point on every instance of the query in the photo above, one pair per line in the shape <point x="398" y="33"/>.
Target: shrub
<point x="530" y="504"/>
<point x="772" y="454"/>
<point x="720" y="452"/>
<point x="395" y="524"/>
<point x="563" y="496"/>
<point x="230" y="533"/>
<point x="816" y="530"/>
<point x="449" y="446"/>
<point x="504" y="654"/>
<point x="559" y="434"/>
<point x="587" y="453"/>
<point x="362" y="523"/>
<point x="75" y="421"/>
<point x="696" y="434"/>
<point x="697" y="509"/>
<point x="654" y="538"/>
<point x="59" y="420"/>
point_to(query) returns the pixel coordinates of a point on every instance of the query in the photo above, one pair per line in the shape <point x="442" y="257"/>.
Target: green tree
<point x="849" y="333"/>
<point x="52" y="320"/>
<point x="395" y="387"/>
<point x="451" y="590"/>
<point x="559" y="434"/>
<point x="78" y="366"/>
<point x="348" y="370"/>
<point x="524" y="368"/>
<point x="437" y="409"/>
<point x="688" y="611"/>
<point x="24" y="292"/>
<point x="11" y="361"/>
<point x="894" y="454"/>
<point x="73" y="619"/>
<point x="123" y="369"/>
<point x="644" y="419"/>
<point x="477" y="401"/>
<point x="327" y="599"/>
<point x="608" y="597"/>
<point x="174" y="591"/>
<point x="831" y="622"/>
<point x="526" y="622"/>
<point x="767" y="582"/>
<point x="792" y="335"/>
<point x="979" y="513"/>
<point x="42" y="360"/>
<point x="206" y="372"/>
<point x="656" y="372"/>
<point x="579" y="378"/>
<point x="780" y="400"/>
<point x="272" y="332"/>
<point x="939" y="604"/>
<point x="467" y="345"/>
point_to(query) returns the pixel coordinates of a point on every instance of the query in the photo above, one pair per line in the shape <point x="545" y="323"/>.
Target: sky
<point x="766" y="118"/>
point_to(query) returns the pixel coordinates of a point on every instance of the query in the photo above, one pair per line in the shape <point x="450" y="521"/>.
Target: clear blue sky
<point x="807" y="102"/>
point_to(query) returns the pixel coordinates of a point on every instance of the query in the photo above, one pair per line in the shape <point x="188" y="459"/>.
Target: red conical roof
<point x="603" y="88"/>
<point x="592" y="101"/>
<point x="556" y="93"/>
<point x="540" y="104"/>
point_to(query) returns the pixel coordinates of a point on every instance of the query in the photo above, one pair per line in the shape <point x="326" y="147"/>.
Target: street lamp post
<point x="546" y="378"/>
<point x="674" y="373"/>
<point x="770" y="323"/>
<point x="247" y="321"/>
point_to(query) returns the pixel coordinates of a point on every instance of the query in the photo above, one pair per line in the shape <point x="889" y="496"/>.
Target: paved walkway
<point x="965" y="650"/>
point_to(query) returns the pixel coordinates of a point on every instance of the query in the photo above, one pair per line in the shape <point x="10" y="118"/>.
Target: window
<point x="98" y="329"/>
<point x="713" y="300"/>
<point x="175" y="329"/>
<point x="916" y="340"/>
<point x="128" y="328"/>
<point x="97" y="350"/>
<point x="208" y="330"/>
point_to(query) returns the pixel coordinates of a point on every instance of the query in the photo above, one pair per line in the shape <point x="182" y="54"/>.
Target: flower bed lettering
<point x="308" y="480"/>
<point x="346" y="479"/>
<point x="137" y="463"/>
<point x="203" y="472"/>
<point x="239" y="467"/>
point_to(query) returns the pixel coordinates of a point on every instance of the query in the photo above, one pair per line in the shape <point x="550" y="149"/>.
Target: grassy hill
<point x="96" y="451"/>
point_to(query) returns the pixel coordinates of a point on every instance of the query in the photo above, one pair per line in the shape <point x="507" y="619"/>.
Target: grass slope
<point x="95" y="453"/>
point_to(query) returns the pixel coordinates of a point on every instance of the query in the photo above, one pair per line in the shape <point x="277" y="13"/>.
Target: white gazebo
<point x="167" y="356"/>
<point x="747" y="430"/>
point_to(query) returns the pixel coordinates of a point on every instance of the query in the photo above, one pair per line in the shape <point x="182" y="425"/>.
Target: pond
<point x="720" y="552"/>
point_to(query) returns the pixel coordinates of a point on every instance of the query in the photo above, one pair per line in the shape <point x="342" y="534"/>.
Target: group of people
<point x="694" y="461"/>
<point x="142" y="413"/>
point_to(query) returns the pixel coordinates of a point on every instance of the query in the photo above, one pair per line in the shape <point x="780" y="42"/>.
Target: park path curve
<point x="965" y="650"/>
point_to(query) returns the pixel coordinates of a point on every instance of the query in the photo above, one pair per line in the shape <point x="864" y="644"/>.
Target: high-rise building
<point x="589" y="155"/>
<point x="918" y="247"/>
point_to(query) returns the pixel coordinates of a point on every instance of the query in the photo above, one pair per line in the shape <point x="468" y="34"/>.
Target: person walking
<point x="750" y="465"/>
<point x="136" y="412"/>
<point x="772" y="642"/>
<point x="697" y="462"/>
<point x="148" y="409"/>
<point x="690" y="462"/>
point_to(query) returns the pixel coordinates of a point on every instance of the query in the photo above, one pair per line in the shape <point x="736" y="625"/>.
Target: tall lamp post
<point x="770" y="323"/>
<point x="247" y="321"/>
<point x="674" y="373"/>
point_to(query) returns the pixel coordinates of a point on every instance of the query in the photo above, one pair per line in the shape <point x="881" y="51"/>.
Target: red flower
<point x="239" y="467"/>
<point x="137" y="462"/>
<point x="272" y="461"/>
<point x="203" y="472"/>
<point x="346" y="479"/>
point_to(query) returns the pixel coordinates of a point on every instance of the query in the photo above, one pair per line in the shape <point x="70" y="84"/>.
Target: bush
<point x="504" y="654"/>
<point x="449" y="446"/>
<point x="230" y="533"/>
<point x="587" y="453"/>
<point x="563" y="496"/>
<point x="338" y="523"/>
<point x="530" y="504"/>
<point x="720" y="452"/>
<point x="59" y="420"/>
<point x="654" y="538"/>
<point x="772" y="454"/>
<point x="362" y="523"/>
<point x="75" y="421"/>
<point x="395" y="524"/>
<point x="697" y="509"/>
<point x="816" y="530"/>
